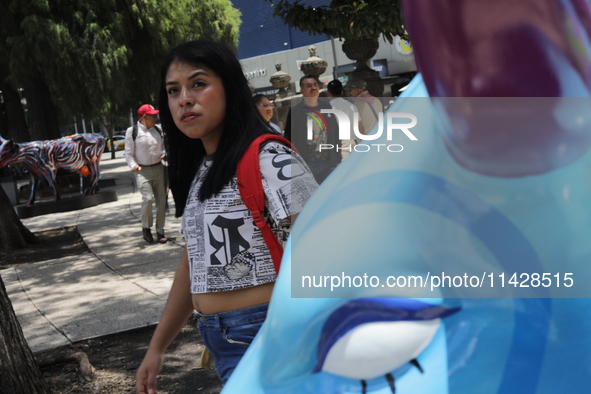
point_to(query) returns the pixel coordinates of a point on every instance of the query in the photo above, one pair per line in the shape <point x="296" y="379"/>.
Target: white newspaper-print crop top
<point x="226" y="249"/>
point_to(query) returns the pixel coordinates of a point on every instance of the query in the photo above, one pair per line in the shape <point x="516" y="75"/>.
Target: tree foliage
<point x="347" y="19"/>
<point x="102" y="57"/>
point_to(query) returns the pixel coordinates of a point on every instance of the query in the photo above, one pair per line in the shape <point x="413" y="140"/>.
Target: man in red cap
<point x="144" y="152"/>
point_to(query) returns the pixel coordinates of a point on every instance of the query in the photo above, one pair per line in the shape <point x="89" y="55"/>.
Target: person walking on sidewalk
<point x="144" y="152"/>
<point x="335" y="91"/>
<point x="317" y="153"/>
<point x="369" y="106"/>
<point x="266" y="110"/>
<point x="226" y="273"/>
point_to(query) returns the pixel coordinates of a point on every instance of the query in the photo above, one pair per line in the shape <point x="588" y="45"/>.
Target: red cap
<point x="146" y="109"/>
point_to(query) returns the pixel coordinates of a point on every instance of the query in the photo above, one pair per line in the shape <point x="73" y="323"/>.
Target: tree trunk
<point x="15" y="114"/>
<point x="42" y="113"/>
<point x="111" y="133"/>
<point x="13" y="234"/>
<point x="18" y="371"/>
<point x="109" y="128"/>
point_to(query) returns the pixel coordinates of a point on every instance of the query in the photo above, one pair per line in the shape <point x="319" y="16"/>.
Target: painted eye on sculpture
<point x="371" y="337"/>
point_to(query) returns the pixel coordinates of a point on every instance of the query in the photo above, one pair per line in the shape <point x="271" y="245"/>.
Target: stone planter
<point x="361" y="51"/>
<point x="280" y="80"/>
<point x="313" y="65"/>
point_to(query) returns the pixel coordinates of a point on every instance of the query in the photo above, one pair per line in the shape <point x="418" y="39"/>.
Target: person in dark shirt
<point x="317" y="152"/>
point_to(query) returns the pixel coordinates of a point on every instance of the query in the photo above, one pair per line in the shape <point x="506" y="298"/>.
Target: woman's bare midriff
<point x="224" y="301"/>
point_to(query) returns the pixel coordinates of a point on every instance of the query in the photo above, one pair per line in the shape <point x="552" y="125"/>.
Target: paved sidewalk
<point x="121" y="285"/>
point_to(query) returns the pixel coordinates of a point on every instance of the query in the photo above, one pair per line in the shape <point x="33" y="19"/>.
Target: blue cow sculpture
<point x="497" y="185"/>
<point x="44" y="158"/>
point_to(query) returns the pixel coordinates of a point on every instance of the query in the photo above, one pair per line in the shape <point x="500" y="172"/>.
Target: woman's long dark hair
<point x="242" y="123"/>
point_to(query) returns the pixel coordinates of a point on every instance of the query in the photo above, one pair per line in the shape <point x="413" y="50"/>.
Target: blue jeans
<point x="227" y="335"/>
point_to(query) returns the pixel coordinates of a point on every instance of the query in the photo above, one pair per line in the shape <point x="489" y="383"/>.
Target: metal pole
<point x="75" y="126"/>
<point x="83" y="125"/>
<point x="334" y="55"/>
<point x="130" y="117"/>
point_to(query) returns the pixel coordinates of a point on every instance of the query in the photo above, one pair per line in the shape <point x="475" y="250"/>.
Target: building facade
<point x="265" y="41"/>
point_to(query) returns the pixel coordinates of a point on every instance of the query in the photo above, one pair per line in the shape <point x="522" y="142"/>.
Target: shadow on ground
<point x="116" y="358"/>
<point x="53" y="244"/>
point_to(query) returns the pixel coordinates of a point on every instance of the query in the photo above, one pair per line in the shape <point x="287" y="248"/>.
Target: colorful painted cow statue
<point x="44" y="158"/>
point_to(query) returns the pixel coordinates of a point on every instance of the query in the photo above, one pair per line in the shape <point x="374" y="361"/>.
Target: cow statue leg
<point x="51" y="180"/>
<point x="49" y="176"/>
<point x="34" y="185"/>
<point x="92" y="152"/>
<point x="93" y="188"/>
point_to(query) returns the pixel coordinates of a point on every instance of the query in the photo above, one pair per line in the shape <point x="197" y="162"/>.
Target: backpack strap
<point x="250" y="186"/>
<point x="134" y="131"/>
<point x="159" y="130"/>
<point x="370" y="105"/>
<point x="373" y="110"/>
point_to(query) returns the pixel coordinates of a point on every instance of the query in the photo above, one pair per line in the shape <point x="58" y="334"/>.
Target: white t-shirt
<point x="343" y="105"/>
<point x="275" y="127"/>
<point x="226" y="249"/>
<point x="369" y="109"/>
<point x="348" y="144"/>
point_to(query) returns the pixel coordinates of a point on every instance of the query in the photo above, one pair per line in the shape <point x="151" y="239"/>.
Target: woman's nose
<point x="186" y="97"/>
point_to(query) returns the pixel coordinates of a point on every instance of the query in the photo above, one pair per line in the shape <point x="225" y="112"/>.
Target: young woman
<point x="266" y="110"/>
<point x="226" y="273"/>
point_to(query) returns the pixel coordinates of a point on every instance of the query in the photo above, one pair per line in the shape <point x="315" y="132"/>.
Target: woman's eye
<point x="198" y="84"/>
<point x="172" y="90"/>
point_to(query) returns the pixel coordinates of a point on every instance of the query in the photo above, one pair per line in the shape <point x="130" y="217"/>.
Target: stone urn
<point x="313" y="65"/>
<point x="361" y="51"/>
<point x="280" y="80"/>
